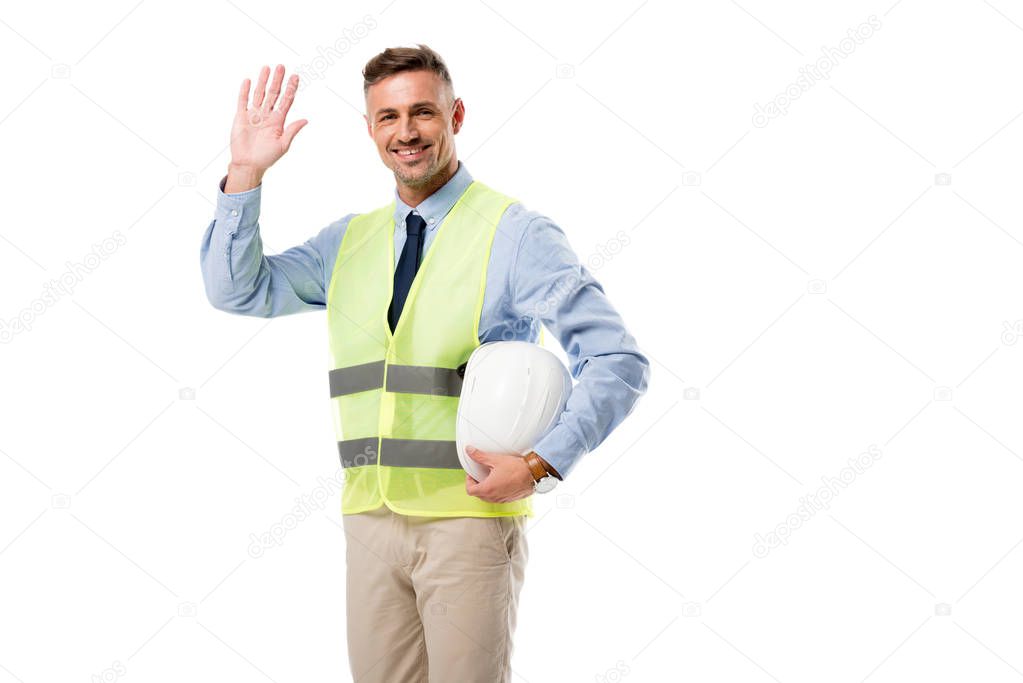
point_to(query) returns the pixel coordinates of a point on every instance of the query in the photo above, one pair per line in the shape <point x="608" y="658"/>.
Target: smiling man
<point x="435" y="559"/>
<point x="422" y="156"/>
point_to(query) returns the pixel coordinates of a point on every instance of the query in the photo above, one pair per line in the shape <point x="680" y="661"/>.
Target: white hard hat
<point x="512" y="394"/>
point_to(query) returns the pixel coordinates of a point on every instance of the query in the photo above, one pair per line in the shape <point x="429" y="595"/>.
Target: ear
<point x="369" y="128"/>
<point x="458" y="115"/>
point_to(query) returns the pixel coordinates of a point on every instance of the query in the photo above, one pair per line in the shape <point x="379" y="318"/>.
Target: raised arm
<point x="238" y="277"/>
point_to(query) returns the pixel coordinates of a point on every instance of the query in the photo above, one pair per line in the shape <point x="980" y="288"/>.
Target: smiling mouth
<point x="410" y="152"/>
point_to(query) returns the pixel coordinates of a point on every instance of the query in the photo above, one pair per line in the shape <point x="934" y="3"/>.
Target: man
<point x="435" y="559"/>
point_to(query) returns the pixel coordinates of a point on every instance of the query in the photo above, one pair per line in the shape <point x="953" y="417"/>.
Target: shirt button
<point x="234" y="212"/>
<point x="430" y="221"/>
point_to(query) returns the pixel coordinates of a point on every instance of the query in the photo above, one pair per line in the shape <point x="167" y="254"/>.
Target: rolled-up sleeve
<point x="549" y="284"/>
<point x="239" y="278"/>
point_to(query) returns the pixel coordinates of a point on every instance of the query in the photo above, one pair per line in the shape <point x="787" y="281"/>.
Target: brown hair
<point x="397" y="59"/>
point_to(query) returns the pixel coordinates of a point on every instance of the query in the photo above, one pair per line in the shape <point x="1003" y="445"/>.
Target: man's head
<point x="411" y="106"/>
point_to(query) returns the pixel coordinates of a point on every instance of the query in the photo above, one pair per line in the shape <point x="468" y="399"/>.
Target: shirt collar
<point x="437" y="205"/>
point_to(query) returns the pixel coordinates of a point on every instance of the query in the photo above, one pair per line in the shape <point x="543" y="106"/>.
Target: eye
<point x="425" y="111"/>
<point x="387" y="116"/>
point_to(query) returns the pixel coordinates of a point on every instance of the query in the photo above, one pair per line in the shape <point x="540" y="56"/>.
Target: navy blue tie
<point x="408" y="264"/>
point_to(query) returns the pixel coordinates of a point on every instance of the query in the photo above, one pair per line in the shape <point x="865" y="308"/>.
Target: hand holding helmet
<point x="512" y="394"/>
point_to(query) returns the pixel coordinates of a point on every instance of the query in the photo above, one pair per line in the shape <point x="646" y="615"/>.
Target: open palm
<point x="258" y="135"/>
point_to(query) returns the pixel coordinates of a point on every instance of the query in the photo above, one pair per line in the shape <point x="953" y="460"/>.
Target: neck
<point x="413" y="196"/>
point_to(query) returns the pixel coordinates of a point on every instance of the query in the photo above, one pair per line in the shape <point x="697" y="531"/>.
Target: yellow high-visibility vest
<point x="395" y="397"/>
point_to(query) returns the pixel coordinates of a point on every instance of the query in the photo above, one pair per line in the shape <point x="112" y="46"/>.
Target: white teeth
<point x="409" y="152"/>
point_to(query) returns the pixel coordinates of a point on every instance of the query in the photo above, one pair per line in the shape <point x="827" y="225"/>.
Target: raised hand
<point x="258" y="135"/>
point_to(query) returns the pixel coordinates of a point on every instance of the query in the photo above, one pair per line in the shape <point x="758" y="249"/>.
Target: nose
<point x="408" y="132"/>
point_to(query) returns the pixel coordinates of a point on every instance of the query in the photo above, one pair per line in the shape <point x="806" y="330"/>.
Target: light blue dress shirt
<point x="534" y="277"/>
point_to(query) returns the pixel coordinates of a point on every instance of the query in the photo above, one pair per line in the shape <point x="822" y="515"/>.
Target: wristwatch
<point x="543" y="478"/>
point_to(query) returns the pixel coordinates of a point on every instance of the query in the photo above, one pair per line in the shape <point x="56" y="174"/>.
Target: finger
<point x="257" y="97"/>
<point x="289" y="95"/>
<point x="291" y="131"/>
<point x="275" y="89"/>
<point x="243" y="95"/>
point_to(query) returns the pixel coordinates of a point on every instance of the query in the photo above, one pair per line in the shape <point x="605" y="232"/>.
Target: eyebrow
<point x="392" y="110"/>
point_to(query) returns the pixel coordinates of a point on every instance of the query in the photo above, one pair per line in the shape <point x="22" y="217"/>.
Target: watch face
<point x="546" y="484"/>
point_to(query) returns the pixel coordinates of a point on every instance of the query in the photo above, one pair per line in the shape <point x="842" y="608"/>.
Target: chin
<point x="417" y="180"/>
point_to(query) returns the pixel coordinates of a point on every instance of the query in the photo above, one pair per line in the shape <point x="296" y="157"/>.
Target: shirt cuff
<point x="238" y="210"/>
<point x="561" y="449"/>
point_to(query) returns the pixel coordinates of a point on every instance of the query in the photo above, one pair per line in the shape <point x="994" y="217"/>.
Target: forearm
<point x="240" y="279"/>
<point x="607" y="390"/>
<point x="551" y="285"/>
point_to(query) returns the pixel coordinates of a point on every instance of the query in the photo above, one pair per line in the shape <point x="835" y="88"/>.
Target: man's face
<point x="413" y="111"/>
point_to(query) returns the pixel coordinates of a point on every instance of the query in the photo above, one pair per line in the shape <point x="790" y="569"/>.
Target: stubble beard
<point x="417" y="181"/>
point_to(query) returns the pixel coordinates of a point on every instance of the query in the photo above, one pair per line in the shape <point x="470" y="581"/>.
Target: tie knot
<point x="414" y="224"/>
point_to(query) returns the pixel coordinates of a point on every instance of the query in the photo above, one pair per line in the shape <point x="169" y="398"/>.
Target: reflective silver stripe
<point x="356" y="378"/>
<point x="399" y="453"/>
<point x="420" y="379"/>
<point x="419" y="453"/>
<point x="358" y="452"/>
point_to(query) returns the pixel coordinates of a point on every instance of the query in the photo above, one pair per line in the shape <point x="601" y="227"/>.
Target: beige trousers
<point x="432" y="599"/>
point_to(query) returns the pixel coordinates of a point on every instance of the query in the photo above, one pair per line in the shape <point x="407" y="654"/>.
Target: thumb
<point x="477" y="455"/>
<point x="291" y="131"/>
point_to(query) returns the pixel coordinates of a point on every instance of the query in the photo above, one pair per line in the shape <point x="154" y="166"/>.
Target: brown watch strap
<point x="536" y="466"/>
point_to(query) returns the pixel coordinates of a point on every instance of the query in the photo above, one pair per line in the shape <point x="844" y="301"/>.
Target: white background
<point x="844" y="278"/>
